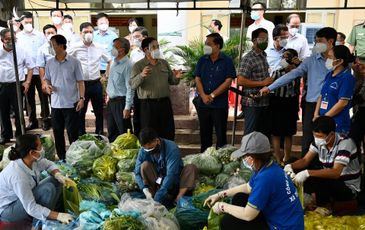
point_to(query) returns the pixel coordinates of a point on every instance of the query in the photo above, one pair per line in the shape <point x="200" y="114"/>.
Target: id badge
<point x="159" y="181"/>
<point x="324" y="105"/>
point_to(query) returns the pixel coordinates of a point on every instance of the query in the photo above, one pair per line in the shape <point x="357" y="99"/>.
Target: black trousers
<point x="116" y="123"/>
<point x="308" y="109"/>
<point x="357" y="131"/>
<point x="230" y="222"/>
<point x="257" y="119"/>
<point x="327" y="190"/>
<point x="136" y="114"/>
<point x="8" y="99"/>
<point x="209" y="117"/>
<point x="61" y="119"/>
<point x="37" y="84"/>
<point x="93" y="92"/>
<point x="157" y="114"/>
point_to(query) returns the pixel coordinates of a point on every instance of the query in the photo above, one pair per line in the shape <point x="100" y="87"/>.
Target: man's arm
<point x="329" y="173"/>
<point x="245" y="82"/>
<point x="28" y="81"/>
<point x="137" y="170"/>
<point x="80" y="104"/>
<point x="337" y="108"/>
<point x="304" y="162"/>
<point x="244" y="213"/>
<point x="223" y="87"/>
<point x="199" y="86"/>
<point x="137" y="77"/>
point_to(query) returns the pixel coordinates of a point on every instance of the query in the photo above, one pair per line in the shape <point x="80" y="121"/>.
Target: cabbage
<point x="98" y="139"/>
<point x="126" y="181"/>
<point x="231" y="167"/>
<point x="105" y="168"/>
<point x="125" y="141"/>
<point x="221" y="180"/>
<point x="49" y="147"/>
<point x="206" y="163"/>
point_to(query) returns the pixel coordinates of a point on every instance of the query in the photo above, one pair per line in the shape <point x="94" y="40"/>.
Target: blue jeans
<point x="45" y="194"/>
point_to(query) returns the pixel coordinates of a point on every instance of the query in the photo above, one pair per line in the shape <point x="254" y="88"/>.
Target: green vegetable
<point x="124" y="153"/>
<point x="127" y="165"/>
<point x="123" y="223"/>
<point x="201" y="188"/>
<point x="101" y="191"/>
<point x="214" y="220"/>
<point x="206" y="163"/>
<point x="198" y="200"/>
<point x="231" y="167"/>
<point x="126" y="141"/>
<point x="71" y="199"/>
<point x="105" y="168"/>
<point x="221" y="180"/>
<point x="126" y="181"/>
<point x="49" y="147"/>
<point x="206" y="180"/>
<point x="97" y="139"/>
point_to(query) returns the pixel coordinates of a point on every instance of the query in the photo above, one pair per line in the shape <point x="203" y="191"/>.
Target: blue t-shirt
<point x="274" y="194"/>
<point x="212" y="75"/>
<point x="341" y="86"/>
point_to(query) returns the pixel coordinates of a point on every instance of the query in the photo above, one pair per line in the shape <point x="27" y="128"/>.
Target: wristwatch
<point x="212" y="95"/>
<point x="82" y="98"/>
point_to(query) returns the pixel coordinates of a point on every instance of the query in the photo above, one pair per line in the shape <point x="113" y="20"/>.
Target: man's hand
<point x="126" y="114"/>
<point x="26" y="86"/>
<point x="64" y="218"/>
<point x="288" y="169"/>
<point x="80" y="105"/>
<point x="49" y="89"/>
<point x="147" y="193"/>
<point x="178" y="73"/>
<point x="211" y="200"/>
<point x="264" y="91"/>
<point x="146" y="71"/>
<point x="301" y="177"/>
<point x="44" y="86"/>
<point x="267" y="81"/>
<point x="207" y="99"/>
<point x="295" y="60"/>
<point x="104" y="78"/>
<point x="315" y="116"/>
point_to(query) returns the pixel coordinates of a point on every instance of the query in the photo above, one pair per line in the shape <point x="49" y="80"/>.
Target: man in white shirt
<point x="257" y="14"/>
<point x="57" y="18"/>
<point x="68" y="32"/>
<point x="8" y="84"/>
<point x="297" y="41"/>
<point x="31" y="40"/>
<point x="90" y="54"/>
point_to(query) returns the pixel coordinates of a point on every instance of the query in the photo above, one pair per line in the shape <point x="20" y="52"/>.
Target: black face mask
<point x="156" y="150"/>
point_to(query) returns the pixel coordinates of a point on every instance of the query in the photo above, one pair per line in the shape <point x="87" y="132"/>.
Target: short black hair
<point x="217" y="23"/>
<point x="142" y="30"/>
<point x="288" y="19"/>
<point x="342" y="35"/>
<point x="147" y="135"/>
<point x="53" y="10"/>
<point x="263" y="5"/>
<point x="328" y="33"/>
<point x="147" y="41"/>
<point x="293" y="52"/>
<point x="324" y="124"/>
<point x="48" y="26"/>
<point x="60" y="40"/>
<point x="277" y="30"/>
<point x="3" y="32"/>
<point x="101" y="15"/>
<point x="343" y="52"/>
<point x="124" y="43"/>
<point x="27" y="14"/>
<point x="67" y="16"/>
<point x="132" y="20"/>
<point x="85" y="25"/>
<point x="23" y="145"/>
<point x="255" y="34"/>
<point x="217" y="39"/>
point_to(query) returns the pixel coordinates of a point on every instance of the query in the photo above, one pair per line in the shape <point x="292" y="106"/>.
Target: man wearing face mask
<point x="90" y="55"/>
<point x="315" y="69"/>
<point x="274" y="53"/>
<point x="257" y="14"/>
<point x="152" y="77"/>
<point x="68" y="32"/>
<point x="31" y="40"/>
<point x="105" y="37"/>
<point x="57" y="18"/>
<point x="254" y="74"/>
<point x="214" y="73"/>
<point x="45" y="53"/>
<point x="160" y="172"/>
<point x="119" y="91"/>
<point x="8" y="96"/>
<point x="296" y="40"/>
<point x="338" y="178"/>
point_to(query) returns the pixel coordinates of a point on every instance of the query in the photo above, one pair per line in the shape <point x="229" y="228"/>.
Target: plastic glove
<point x="64" y="218"/>
<point x="301" y="177"/>
<point x="217" y="208"/>
<point x="288" y="169"/>
<point x="147" y="193"/>
<point x="211" y="200"/>
<point x="64" y="180"/>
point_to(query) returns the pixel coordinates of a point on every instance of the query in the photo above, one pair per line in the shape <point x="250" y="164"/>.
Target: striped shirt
<point x="343" y="152"/>
<point x="290" y="90"/>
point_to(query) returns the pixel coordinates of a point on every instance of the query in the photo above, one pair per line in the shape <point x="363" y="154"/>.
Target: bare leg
<point x="276" y="146"/>
<point x="182" y="192"/>
<point x="288" y="141"/>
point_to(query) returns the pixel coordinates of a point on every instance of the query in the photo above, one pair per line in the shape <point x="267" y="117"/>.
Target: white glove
<point x="211" y="200"/>
<point x="147" y="193"/>
<point x="64" y="218"/>
<point x="301" y="177"/>
<point x="217" y="208"/>
<point x="288" y="169"/>
<point x="63" y="180"/>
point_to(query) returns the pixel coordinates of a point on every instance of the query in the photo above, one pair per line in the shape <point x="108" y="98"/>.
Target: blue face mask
<point x="246" y="165"/>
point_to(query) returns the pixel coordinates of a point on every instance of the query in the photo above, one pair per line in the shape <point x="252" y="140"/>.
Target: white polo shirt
<point x="300" y="44"/>
<point x="90" y="59"/>
<point x="266" y="24"/>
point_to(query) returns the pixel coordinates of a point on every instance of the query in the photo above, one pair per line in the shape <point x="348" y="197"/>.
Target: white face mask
<point x="137" y="43"/>
<point x="115" y="52"/>
<point x="156" y="54"/>
<point x="338" y="43"/>
<point x="248" y="166"/>
<point x="132" y="28"/>
<point x="41" y="154"/>
<point x="320" y="142"/>
<point x="293" y="31"/>
<point x="329" y="64"/>
<point x="103" y="27"/>
<point x="207" y="50"/>
<point x="56" y="20"/>
<point x="67" y="26"/>
<point x="283" y="42"/>
<point x="49" y="37"/>
<point x="320" y="47"/>
<point x="28" y="27"/>
<point x="88" y="37"/>
<point x="15" y="28"/>
<point x="284" y="63"/>
<point x="255" y="15"/>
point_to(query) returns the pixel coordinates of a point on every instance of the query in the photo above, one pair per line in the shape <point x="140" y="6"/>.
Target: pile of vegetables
<point x="49" y="147"/>
<point x="315" y="221"/>
<point x="97" y="190"/>
<point x="123" y="222"/>
<point x="105" y="168"/>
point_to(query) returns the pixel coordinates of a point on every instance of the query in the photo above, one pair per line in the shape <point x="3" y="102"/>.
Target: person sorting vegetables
<point x="339" y="175"/>
<point x="23" y="197"/>
<point x="159" y="170"/>
<point x="268" y="201"/>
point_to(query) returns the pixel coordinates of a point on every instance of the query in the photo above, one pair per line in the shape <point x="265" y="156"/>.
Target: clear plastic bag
<point x="56" y="225"/>
<point x="5" y="161"/>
